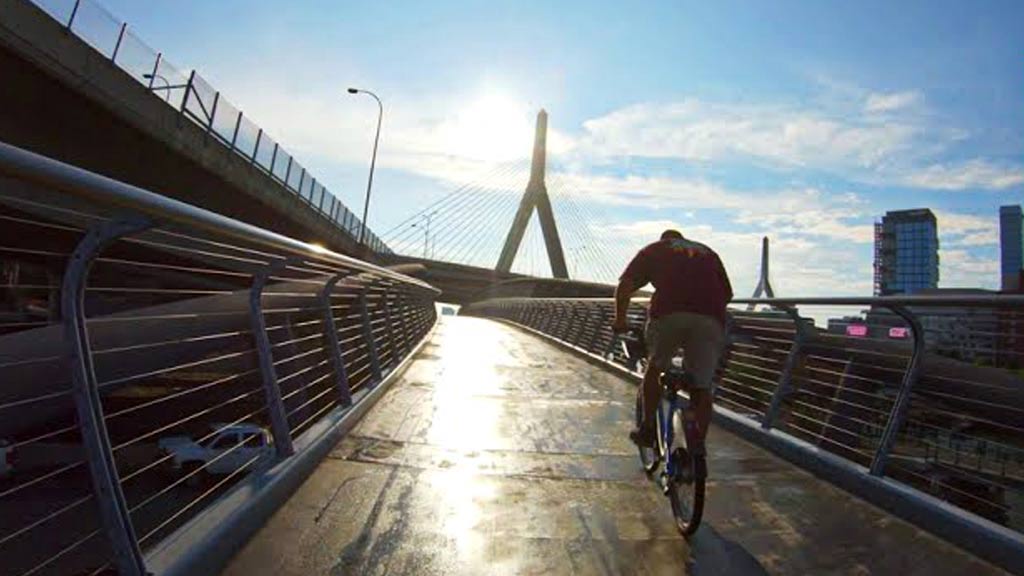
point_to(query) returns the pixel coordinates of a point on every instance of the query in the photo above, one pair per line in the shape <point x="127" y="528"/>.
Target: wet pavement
<point x="497" y="453"/>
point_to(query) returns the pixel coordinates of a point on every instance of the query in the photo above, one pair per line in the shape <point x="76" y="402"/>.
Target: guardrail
<point x="154" y="355"/>
<point x="918" y="406"/>
<point x="194" y="98"/>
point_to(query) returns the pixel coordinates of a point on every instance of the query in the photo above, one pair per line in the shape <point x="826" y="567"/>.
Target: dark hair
<point x="674" y="234"/>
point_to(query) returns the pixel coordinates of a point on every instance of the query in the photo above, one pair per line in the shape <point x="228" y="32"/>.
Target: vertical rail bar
<point x="114" y="513"/>
<point x="238" y="124"/>
<point x="371" y="346"/>
<point x="332" y="343"/>
<point x="256" y="148"/>
<point x="156" y="67"/>
<point x="117" y="46"/>
<point x="288" y="170"/>
<point x="273" y="159"/>
<point x="783" y="387"/>
<point x="188" y="90"/>
<point x="902" y="402"/>
<point x="272" y="392"/>
<point x="74" y="12"/>
<point x="213" y="112"/>
<point x="389" y="326"/>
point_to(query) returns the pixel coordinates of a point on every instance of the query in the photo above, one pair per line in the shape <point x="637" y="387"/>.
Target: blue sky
<point x="801" y="120"/>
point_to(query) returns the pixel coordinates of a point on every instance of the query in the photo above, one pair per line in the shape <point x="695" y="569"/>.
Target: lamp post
<point x="166" y="87"/>
<point x="426" y="233"/>
<point x="373" y="159"/>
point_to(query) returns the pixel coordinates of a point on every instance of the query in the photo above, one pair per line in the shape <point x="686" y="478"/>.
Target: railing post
<point x="902" y="402"/>
<point x="256" y="148"/>
<point x="273" y="160"/>
<point x="275" y="406"/>
<point x="238" y="124"/>
<point x="782" y="389"/>
<point x="213" y="112"/>
<point x="390" y="327"/>
<point x="371" y="346"/>
<point x="74" y="12"/>
<point x="288" y="171"/>
<point x="331" y="340"/>
<point x="156" y="67"/>
<point x="117" y="46"/>
<point x="114" y="513"/>
<point x="188" y="90"/>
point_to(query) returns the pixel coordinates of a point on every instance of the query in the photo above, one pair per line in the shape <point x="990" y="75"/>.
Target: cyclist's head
<point x="671" y="234"/>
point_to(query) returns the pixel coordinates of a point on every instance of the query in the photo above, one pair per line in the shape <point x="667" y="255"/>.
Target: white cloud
<point x="696" y="130"/>
<point x="957" y="229"/>
<point x="974" y="174"/>
<point x="962" y="269"/>
<point x="880" y="103"/>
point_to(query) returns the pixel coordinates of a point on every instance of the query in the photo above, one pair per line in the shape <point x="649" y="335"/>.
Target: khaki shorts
<point x="701" y="338"/>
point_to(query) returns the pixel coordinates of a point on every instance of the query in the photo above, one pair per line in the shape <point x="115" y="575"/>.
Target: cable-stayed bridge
<point x="188" y="386"/>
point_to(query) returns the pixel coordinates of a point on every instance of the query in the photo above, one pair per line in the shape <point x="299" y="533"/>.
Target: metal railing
<point x="927" y="391"/>
<point x="153" y="355"/>
<point x="197" y="100"/>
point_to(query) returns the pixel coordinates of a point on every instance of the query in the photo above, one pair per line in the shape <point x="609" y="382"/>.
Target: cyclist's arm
<point x="633" y="279"/>
<point x="623" y="292"/>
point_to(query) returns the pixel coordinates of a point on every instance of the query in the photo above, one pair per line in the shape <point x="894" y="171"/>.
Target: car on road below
<point x="228" y="449"/>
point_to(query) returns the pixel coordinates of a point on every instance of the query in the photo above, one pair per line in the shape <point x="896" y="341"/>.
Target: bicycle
<point x="684" y="455"/>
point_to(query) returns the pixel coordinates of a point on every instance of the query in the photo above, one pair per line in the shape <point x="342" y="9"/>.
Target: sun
<point x="493" y="128"/>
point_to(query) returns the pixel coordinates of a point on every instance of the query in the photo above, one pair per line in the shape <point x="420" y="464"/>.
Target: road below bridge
<point x="498" y="453"/>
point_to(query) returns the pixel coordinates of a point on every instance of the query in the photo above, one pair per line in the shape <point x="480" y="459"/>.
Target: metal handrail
<point x="309" y="375"/>
<point x="22" y="164"/>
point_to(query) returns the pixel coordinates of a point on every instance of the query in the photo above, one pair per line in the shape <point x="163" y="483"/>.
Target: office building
<point x="1011" y="247"/>
<point x="906" y="252"/>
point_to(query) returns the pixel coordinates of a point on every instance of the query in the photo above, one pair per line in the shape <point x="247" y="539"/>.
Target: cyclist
<point x="691" y="290"/>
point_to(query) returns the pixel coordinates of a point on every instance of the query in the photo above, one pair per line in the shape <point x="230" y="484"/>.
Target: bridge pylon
<point x="536" y="196"/>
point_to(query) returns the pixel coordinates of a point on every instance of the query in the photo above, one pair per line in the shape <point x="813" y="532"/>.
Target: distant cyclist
<point x="691" y="291"/>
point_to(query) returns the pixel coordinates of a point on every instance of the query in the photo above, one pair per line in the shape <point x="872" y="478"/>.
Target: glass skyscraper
<point x="1011" y="246"/>
<point x="906" y="252"/>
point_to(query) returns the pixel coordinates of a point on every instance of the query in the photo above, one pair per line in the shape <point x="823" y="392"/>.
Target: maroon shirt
<point x="687" y="277"/>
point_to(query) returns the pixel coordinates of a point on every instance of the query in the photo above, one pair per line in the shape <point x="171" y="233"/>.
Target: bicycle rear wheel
<point x="687" y="498"/>
<point x="649" y="457"/>
<point x="685" y="491"/>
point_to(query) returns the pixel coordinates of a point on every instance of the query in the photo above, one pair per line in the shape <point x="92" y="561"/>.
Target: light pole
<point x="373" y="159"/>
<point x="167" y="85"/>
<point x="426" y="233"/>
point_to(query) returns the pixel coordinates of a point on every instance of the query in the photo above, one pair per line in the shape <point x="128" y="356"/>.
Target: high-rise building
<point x="906" y="252"/>
<point x="1011" y="246"/>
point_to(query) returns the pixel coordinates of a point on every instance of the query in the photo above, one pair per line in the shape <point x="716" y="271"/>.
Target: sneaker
<point x="642" y="437"/>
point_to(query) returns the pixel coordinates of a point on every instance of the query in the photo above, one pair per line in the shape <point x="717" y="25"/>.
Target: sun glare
<point x="493" y="128"/>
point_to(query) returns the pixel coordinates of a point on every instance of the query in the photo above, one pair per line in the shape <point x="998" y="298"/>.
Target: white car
<point x="6" y="459"/>
<point x="233" y="447"/>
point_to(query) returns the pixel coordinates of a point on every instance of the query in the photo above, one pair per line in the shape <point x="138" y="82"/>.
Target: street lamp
<point x="373" y="159"/>
<point x="426" y="232"/>
<point x="167" y="85"/>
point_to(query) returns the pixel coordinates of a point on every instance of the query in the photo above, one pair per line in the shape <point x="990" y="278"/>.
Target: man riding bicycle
<point x="691" y="291"/>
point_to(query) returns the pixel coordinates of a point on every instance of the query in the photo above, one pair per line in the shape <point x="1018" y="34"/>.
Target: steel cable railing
<point x="197" y="100"/>
<point x="895" y="395"/>
<point x="201" y="350"/>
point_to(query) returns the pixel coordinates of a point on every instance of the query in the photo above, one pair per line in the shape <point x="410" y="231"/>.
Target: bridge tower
<point x="536" y="196"/>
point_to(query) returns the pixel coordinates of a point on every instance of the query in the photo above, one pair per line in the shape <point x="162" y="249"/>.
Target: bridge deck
<point x="497" y="453"/>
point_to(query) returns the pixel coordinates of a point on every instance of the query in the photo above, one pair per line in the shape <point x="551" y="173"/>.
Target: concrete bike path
<point x="498" y="453"/>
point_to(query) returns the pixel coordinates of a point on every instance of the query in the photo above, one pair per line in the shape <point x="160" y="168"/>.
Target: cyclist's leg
<point x="664" y="337"/>
<point x="703" y="346"/>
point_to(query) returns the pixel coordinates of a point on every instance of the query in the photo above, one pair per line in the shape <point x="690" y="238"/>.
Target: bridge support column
<point x="536" y="196"/>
